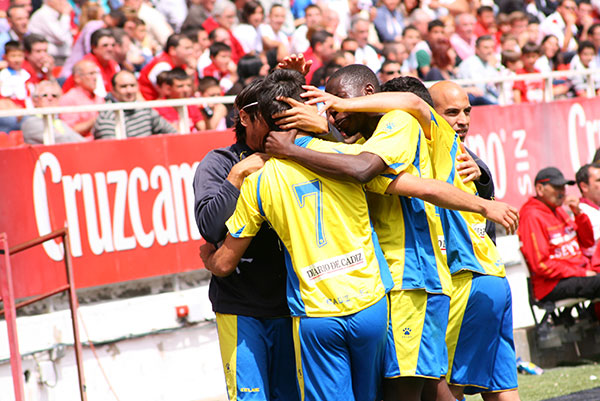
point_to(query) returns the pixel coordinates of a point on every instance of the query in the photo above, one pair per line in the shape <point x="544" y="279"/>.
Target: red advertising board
<point x="519" y="140"/>
<point x="129" y="204"/>
<point x="129" y="207"/>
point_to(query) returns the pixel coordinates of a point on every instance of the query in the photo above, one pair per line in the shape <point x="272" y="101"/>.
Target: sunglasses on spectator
<point x="392" y="72"/>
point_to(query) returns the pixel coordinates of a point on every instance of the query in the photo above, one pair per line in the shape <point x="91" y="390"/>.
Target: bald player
<point x="451" y="101"/>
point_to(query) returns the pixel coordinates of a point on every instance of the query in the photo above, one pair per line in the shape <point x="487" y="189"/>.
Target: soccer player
<point x="337" y="277"/>
<point x="397" y="149"/>
<point x="253" y="322"/>
<point x="480" y="291"/>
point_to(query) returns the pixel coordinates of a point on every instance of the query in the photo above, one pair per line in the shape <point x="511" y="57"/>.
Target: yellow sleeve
<point x="395" y="140"/>
<point x="247" y="217"/>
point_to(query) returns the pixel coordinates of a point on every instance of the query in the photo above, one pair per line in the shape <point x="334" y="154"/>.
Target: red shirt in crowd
<point x="531" y="91"/>
<point x="147" y="79"/>
<point x="237" y="51"/>
<point x="170" y="114"/>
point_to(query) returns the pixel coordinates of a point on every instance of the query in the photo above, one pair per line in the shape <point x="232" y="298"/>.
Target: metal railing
<point x="184" y="123"/>
<point x="48" y="113"/>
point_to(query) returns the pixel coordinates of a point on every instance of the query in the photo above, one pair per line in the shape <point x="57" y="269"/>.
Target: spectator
<point x="13" y="78"/>
<point x="159" y="29"/>
<point x="224" y="16"/>
<point x="531" y="91"/>
<point x="389" y="21"/>
<point x="509" y="42"/>
<point x="389" y="70"/>
<point x="140" y="49"/>
<point x="90" y="20"/>
<point x="518" y="26"/>
<point x="18" y="20"/>
<point x="584" y="60"/>
<point x="214" y="114"/>
<point x="561" y="24"/>
<point x="180" y="86"/>
<point x="551" y="241"/>
<point x="272" y="34"/>
<point x="249" y="68"/>
<point x="320" y="51"/>
<point x="552" y="60"/>
<point x="443" y="62"/>
<point x="585" y="19"/>
<point x="313" y="21"/>
<point x="594" y="37"/>
<point x="463" y="40"/>
<point x="47" y="94"/>
<point x="422" y="50"/>
<point x="222" y="67"/>
<point x="588" y="181"/>
<point x="481" y="65"/>
<point x="365" y="53"/>
<point x="38" y="62"/>
<point x="396" y="51"/>
<point x="198" y="12"/>
<point x="85" y="75"/>
<point x="138" y="122"/>
<point x="247" y="32"/>
<point x="174" y="11"/>
<point x="511" y="60"/>
<point x="331" y="22"/>
<point x="533" y="30"/>
<point x="53" y="22"/>
<point x="121" y="49"/>
<point x="103" y="56"/>
<point x="178" y="53"/>
<point x="484" y="21"/>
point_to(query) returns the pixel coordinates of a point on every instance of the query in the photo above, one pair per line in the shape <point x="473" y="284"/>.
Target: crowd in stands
<point x="217" y="47"/>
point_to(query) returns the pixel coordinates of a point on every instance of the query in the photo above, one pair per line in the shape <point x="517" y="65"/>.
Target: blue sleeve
<point x="215" y="197"/>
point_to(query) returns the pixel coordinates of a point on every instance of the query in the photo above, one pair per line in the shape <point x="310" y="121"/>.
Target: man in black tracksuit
<point x="253" y="322"/>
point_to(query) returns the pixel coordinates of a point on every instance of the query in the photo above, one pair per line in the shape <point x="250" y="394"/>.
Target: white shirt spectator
<point x="475" y="68"/>
<point x="555" y="25"/>
<point x="369" y="57"/>
<point x="158" y="27"/>
<point x="300" y="43"/>
<point x="593" y="212"/>
<point x="266" y="31"/>
<point x="580" y="81"/>
<point x="175" y="11"/>
<point x="12" y="84"/>
<point x="56" y="28"/>
<point x="249" y="37"/>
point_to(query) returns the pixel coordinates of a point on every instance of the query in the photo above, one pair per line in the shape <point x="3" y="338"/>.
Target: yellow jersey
<point x="406" y="227"/>
<point x="468" y="247"/>
<point x="334" y="263"/>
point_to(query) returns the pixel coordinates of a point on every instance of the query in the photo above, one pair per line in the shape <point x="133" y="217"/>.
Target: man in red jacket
<point x="551" y="241"/>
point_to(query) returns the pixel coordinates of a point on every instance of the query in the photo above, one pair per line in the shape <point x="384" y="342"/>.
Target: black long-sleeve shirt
<point x="485" y="189"/>
<point x="257" y="287"/>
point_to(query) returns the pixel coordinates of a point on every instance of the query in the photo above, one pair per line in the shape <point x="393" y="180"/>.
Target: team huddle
<point x="376" y="249"/>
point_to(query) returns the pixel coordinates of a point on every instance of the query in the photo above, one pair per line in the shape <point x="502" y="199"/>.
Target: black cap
<point x="552" y="176"/>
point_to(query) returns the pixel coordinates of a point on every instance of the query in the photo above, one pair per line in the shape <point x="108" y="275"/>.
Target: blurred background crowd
<point x="74" y="52"/>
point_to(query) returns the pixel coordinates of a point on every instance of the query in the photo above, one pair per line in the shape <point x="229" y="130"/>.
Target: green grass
<point x="556" y="382"/>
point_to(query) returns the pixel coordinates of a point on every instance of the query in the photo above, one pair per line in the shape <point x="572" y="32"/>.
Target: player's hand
<point x="316" y="95"/>
<point x="573" y="203"/>
<point x="296" y="62"/>
<point x="244" y="168"/>
<point x="301" y="117"/>
<point x="206" y="252"/>
<point x="467" y="167"/>
<point x="503" y="214"/>
<point x="279" y="143"/>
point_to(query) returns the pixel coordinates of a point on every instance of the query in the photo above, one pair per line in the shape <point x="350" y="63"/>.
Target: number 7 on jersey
<point x="307" y="189"/>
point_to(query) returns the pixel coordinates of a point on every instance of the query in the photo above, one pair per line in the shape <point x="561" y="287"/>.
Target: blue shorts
<point x="481" y="349"/>
<point x="258" y="358"/>
<point x="341" y="358"/>
<point x="416" y="344"/>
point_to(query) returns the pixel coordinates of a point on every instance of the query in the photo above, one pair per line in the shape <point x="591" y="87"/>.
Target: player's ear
<point x="244" y="118"/>
<point x="369" y="89"/>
